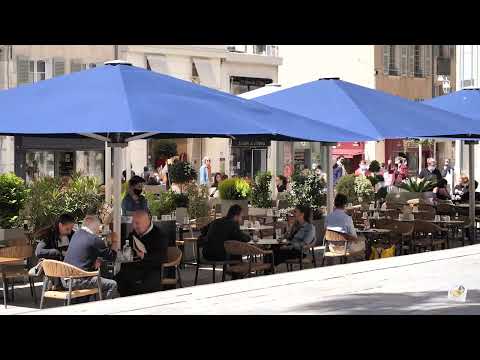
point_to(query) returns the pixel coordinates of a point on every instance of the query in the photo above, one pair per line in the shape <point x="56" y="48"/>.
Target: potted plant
<point x="234" y="191"/>
<point x="13" y="194"/>
<point x="180" y="201"/>
<point x="363" y="188"/>
<point x="181" y="173"/>
<point x="346" y="186"/>
<point x="374" y="167"/>
<point x="415" y="188"/>
<point x="164" y="204"/>
<point x="310" y="190"/>
<point x="197" y="200"/>
<point x="261" y="194"/>
<point x="163" y="150"/>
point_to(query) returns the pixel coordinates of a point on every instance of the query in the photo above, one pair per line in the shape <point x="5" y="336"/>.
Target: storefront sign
<point x="251" y="143"/>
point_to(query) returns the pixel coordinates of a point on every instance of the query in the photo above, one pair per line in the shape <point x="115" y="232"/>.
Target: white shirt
<point x="339" y="221"/>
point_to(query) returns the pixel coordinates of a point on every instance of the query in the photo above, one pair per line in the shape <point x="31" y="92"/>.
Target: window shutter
<point x="58" y="67"/>
<point x="23" y="71"/>
<point x="428" y="60"/>
<point x="75" y="65"/>
<point x="386" y="59"/>
<point x="411" y="60"/>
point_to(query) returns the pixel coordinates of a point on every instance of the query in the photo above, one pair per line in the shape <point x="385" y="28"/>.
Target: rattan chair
<point x="252" y="252"/>
<point x="429" y="236"/>
<point x="199" y="224"/>
<point x="17" y="270"/>
<point x="338" y="239"/>
<point x="174" y="259"/>
<point x="58" y="269"/>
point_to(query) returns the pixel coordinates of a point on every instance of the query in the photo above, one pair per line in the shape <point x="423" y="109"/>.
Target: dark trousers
<point x="134" y="280"/>
<point x="281" y="254"/>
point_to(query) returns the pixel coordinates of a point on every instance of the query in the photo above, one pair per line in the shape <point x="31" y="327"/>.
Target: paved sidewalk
<point x="414" y="284"/>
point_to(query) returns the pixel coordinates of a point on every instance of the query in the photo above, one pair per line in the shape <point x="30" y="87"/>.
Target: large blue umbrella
<point x="124" y="99"/>
<point x="367" y="111"/>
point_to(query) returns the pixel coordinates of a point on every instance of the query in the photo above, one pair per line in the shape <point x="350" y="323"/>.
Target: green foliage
<point x="13" y="193"/>
<point x="261" y="193"/>
<point x="234" y="189"/>
<point x="346" y="186"/>
<point x="308" y="189"/>
<point x="181" y="172"/>
<point x="363" y="188"/>
<point x="414" y="184"/>
<point x="164" y="149"/>
<point x="164" y="204"/>
<point x="180" y="200"/>
<point x="375" y="179"/>
<point x="381" y="193"/>
<point x="374" y="166"/>
<point x="50" y="197"/>
<point x="197" y="200"/>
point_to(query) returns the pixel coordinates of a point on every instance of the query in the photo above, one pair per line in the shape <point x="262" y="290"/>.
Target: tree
<point x="164" y="149"/>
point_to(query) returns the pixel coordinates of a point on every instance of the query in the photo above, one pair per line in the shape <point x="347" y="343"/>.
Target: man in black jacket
<point x="221" y="230"/>
<point x="431" y="173"/>
<point x="143" y="276"/>
<point x="56" y="239"/>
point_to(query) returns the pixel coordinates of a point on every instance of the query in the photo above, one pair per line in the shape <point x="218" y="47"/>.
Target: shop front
<point x="37" y="157"/>
<point x="353" y="152"/>
<point x="248" y="157"/>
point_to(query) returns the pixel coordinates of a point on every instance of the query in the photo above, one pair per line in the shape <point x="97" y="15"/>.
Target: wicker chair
<point x="337" y="238"/>
<point x="174" y="259"/>
<point x="238" y="248"/>
<point x="428" y="236"/>
<point x="200" y="223"/>
<point x="17" y="270"/>
<point x="54" y="268"/>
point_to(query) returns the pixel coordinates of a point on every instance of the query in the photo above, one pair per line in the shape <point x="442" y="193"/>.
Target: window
<point x="419" y="99"/>
<point x="418" y="61"/>
<point x="36" y="70"/>
<point x="240" y="85"/>
<point x="404" y="60"/>
<point x="390" y="60"/>
<point x="259" y="49"/>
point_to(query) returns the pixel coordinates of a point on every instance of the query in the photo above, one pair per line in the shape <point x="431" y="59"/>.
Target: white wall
<point x="304" y="63"/>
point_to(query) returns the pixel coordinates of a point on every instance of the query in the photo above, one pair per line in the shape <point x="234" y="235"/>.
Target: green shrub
<point x="164" y="149"/>
<point x="234" y="189"/>
<point x="261" y="191"/>
<point x="414" y="184"/>
<point x="346" y="186"/>
<point x="180" y="200"/>
<point x="164" y="204"/>
<point x="363" y="188"/>
<point x="197" y="200"/>
<point x="50" y="197"/>
<point x="374" y="166"/>
<point x="13" y="193"/>
<point x="308" y="189"/>
<point x="181" y="172"/>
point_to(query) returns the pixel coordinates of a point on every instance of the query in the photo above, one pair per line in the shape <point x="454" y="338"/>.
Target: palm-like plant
<point x="414" y="184"/>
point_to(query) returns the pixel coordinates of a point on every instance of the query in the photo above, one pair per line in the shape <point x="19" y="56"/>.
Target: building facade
<point x="410" y="71"/>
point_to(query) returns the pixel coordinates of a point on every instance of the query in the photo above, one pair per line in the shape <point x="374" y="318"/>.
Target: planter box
<point x="181" y="214"/>
<point x="6" y="235"/>
<point x="226" y="204"/>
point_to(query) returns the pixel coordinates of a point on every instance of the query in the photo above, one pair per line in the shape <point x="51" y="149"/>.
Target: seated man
<point x="301" y="234"/>
<point x="338" y="220"/>
<point x="55" y="240"/>
<point x="221" y="230"/>
<point x="143" y="276"/>
<point x="134" y="200"/>
<point x="84" y="252"/>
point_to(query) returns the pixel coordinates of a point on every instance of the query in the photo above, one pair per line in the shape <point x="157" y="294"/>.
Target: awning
<point x="158" y="63"/>
<point x="205" y="72"/>
<point x="347" y="153"/>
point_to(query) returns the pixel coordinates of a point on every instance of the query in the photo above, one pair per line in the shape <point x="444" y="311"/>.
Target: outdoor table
<point x="268" y="242"/>
<point x="252" y="229"/>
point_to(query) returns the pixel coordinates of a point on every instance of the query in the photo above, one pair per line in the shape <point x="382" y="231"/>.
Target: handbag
<point x="36" y="271"/>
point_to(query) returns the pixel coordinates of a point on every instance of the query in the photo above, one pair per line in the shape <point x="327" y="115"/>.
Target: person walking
<point x="205" y="172"/>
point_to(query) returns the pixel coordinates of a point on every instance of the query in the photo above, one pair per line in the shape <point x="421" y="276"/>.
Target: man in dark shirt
<point x="431" y="173"/>
<point x="143" y="276"/>
<point x="134" y="200"/>
<point x="84" y="252"/>
<point x="221" y="230"/>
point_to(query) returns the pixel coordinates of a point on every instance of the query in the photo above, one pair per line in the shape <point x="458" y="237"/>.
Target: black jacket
<point x="47" y="248"/>
<point x="219" y="231"/>
<point x="156" y="244"/>
<point x="85" y="249"/>
<point x="434" y="176"/>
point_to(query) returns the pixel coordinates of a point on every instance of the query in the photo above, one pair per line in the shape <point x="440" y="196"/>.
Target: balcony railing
<point x="266" y="50"/>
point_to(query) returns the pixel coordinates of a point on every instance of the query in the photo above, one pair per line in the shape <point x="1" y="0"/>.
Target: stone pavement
<point x="414" y="284"/>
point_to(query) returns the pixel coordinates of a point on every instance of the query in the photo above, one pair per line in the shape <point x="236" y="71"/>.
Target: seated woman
<point x="302" y="233"/>
<point x="213" y="191"/>
<point x="441" y="190"/>
<point x="466" y="195"/>
<point x="55" y="240"/>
